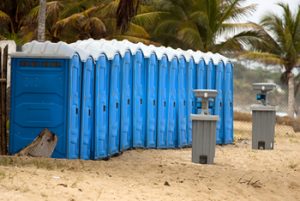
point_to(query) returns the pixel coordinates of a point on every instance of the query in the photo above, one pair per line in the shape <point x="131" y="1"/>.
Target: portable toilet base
<point x="263" y="126"/>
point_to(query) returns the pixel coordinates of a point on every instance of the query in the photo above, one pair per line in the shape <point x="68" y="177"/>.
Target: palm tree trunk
<point x="291" y="95"/>
<point x="42" y="21"/>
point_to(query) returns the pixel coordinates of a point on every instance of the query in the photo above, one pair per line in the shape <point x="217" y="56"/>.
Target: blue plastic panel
<point x="228" y="104"/>
<point x="172" y="104"/>
<point x="219" y="103"/>
<point x="201" y="79"/>
<point x="87" y="110"/>
<point x="139" y="100"/>
<point x="126" y="103"/>
<point x="201" y="75"/>
<point x="182" y="104"/>
<point x="211" y="80"/>
<point x="162" y="103"/>
<point x="101" y="107"/>
<point x="39" y="94"/>
<point x="74" y="108"/>
<point x="114" y="106"/>
<point x="191" y="101"/>
<point x="152" y="85"/>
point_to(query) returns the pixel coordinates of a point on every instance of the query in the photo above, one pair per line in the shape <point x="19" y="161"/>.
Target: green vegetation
<point x="188" y="24"/>
<point x="185" y="24"/>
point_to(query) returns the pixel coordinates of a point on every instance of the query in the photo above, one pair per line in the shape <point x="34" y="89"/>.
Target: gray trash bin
<point x="263" y="118"/>
<point x="204" y="130"/>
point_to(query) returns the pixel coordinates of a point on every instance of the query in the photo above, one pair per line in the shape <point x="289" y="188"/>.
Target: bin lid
<point x="205" y="93"/>
<point x="263" y="86"/>
<point x="200" y="117"/>
<point x="257" y="107"/>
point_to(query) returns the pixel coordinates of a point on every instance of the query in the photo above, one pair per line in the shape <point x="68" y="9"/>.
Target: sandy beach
<point x="239" y="173"/>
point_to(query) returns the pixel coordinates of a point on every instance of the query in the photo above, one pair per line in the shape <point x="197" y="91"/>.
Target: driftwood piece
<point x="42" y="146"/>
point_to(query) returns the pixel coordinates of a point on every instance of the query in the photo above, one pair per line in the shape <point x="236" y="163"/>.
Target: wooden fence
<point x="3" y="101"/>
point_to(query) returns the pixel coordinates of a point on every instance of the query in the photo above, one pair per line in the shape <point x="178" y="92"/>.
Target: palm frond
<point x="263" y="57"/>
<point x="191" y="37"/>
<point x="234" y="28"/>
<point x="200" y="18"/>
<point x="149" y="18"/>
<point x="137" y="31"/>
<point x="5" y="18"/>
<point x="167" y="26"/>
<point x="239" y="12"/>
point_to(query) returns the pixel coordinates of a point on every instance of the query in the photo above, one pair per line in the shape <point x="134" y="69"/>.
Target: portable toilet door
<point x="162" y="110"/>
<point x="126" y="103"/>
<point x="87" y="110"/>
<point x="152" y="85"/>
<point x="46" y="94"/>
<point x="191" y="101"/>
<point x="211" y="81"/>
<point x="114" y="106"/>
<point x="182" y="104"/>
<point x="228" y="104"/>
<point x="73" y="140"/>
<point x="219" y="108"/>
<point x="101" y="107"/>
<point x="201" y="80"/>
<point x="172" y="104"/>
<point x="139" y="100"/>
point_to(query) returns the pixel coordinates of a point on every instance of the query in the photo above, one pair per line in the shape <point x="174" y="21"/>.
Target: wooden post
<point x="5" y="62"/>
<point x="3" y="87"/>
<point x="1" y="123"/>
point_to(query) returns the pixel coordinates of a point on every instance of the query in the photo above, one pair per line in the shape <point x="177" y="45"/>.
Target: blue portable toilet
<point x="191" y="101"/>
<point x="219" y="103"/>
<point x="172" y="104"/>
<point x="99" y="146"/>
<point x="114" y="105"/>
<point x="182" y="103"/>
<point x="126" y="103"/>
<point x="139" y="100"/>
<point x="101" y="107"/>
<point x="46" y="93"/>
<point x="87" y="109"/>
<point x="211" y="81"/>
<point x="201" y="79"/>
<point x="228" y="104"/>
<point x="152" y="88"/>
<point x="162" y="110"/>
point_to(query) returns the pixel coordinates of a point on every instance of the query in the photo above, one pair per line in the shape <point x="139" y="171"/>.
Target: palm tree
<point x="95" y="20"/>
<point x="198" y="24"/>
<point x="279" y="44"/>
<point x="125" y="11"/>
<point x="42" y="21"/>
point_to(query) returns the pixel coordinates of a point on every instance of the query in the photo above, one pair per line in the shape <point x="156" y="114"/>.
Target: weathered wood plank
<point x="42" y="146"/>
<point x="1" y="112"/>
<point x="5" y="63"/>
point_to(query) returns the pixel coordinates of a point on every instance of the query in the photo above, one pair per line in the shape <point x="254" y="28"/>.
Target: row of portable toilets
<point x="103" y="97"/>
